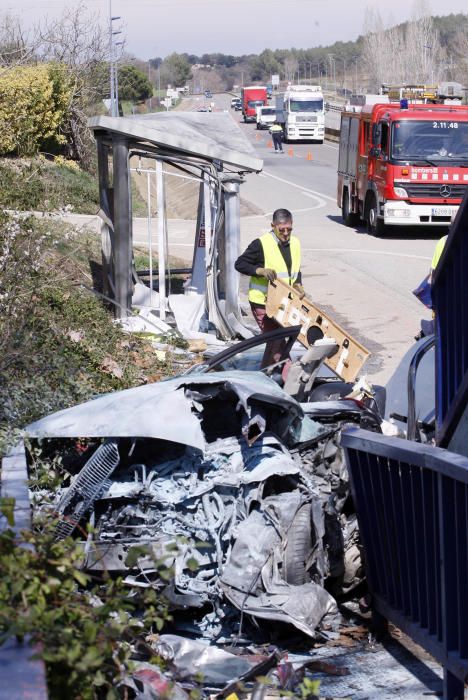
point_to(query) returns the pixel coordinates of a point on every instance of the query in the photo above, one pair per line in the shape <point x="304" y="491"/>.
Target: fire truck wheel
<point x="375" y="226"/>
<point x="349" y="218"/>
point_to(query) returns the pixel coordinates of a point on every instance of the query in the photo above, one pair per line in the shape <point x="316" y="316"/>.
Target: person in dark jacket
<point x="275" y="255"/>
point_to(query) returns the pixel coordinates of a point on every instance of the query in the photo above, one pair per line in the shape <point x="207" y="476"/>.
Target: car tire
<point x="375" y="226"/>
<point x="298" y="547"/>
<point x="349" y="218"/>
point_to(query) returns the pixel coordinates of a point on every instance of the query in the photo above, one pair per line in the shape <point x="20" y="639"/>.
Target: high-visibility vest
<point x="439" y="249"/>
<point x="258" y="287"/>
<point x="275" y="127"/>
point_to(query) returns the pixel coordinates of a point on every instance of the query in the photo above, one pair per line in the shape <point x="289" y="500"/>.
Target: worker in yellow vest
<point x="276" y="254"/>
<point x="276" y="131"/>
<point x="439" y="249"/>
<point x="423" y="292"/>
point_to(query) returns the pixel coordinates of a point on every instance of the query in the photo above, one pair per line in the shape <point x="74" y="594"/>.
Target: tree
<point x="15" y="49"/>
<point x="80" y="44"/>
<point x="460" y="53"/>
<point x="407" y="53"/>
<point x="177" y="70"/>
<point x="133" y="84"/>
<point x="264" y="65"/>
<point x="290" y="68"/>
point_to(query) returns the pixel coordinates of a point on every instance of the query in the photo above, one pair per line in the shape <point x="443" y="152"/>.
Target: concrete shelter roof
<point x="211" y="135"/>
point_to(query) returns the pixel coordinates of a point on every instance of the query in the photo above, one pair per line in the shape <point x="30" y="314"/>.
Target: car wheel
<point x="349" y="218"/>
<point x="375" y="226"/>
<point x="298" y="547"/>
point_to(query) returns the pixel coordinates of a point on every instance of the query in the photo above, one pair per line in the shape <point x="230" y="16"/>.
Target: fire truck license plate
<point x="443" y="211"/>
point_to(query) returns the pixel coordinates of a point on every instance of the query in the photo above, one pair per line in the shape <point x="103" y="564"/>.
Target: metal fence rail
<point x="412" y="506"/>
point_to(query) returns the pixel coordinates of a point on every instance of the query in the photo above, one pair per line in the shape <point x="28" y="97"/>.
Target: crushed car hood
<point x="168" y="410"/>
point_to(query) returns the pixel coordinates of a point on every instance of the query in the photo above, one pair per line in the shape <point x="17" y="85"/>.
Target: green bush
<point x="58" y="344"/>
<point x="34" y="101"/>
<point x="42" y="185"/>
<point x="85" y="626"/>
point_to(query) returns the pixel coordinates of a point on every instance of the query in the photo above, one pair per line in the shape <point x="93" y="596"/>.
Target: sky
<point x="153" y="28"/>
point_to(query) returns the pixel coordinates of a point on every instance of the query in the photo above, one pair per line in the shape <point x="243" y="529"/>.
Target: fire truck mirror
<point x="376" y="134"/>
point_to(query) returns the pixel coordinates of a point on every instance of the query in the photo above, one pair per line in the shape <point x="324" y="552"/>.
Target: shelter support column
<point x="106" y="216"/>
<point x="232" y="242"/>
<point x="122" y="228"/>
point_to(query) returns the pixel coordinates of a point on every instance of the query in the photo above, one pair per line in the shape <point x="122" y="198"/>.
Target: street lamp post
<point x="319" y="70"/>
<point x="332" y="69"/>
<point x="426" y="71"/>
<point x="344" y="69"/>
<point x="112" y="67"/>
<point x="116" y="68"/>
<point x="310" y="64"/>
<point x="355" y="60"/>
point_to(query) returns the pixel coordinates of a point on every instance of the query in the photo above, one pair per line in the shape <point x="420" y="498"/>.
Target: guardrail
<point x="329" y="107"/>
<point x="24" y="677"/>
<point x="412" y="507"/>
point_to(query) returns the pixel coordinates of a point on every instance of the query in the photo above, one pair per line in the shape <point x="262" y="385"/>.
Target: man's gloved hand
<point x="299" y="289"/>
<point x="266" y="272"/>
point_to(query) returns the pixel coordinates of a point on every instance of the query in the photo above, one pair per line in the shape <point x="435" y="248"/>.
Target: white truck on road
<point x="303" y="113"/>
<point x="266" y="116"/>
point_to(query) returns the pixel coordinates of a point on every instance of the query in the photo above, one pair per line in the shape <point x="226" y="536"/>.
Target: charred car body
<point x="237" y="484"/>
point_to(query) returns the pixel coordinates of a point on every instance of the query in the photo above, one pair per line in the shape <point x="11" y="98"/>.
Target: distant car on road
<point x="235" y="101"/>
<point x="202" y="109"/>
<point x="238" y="106"/>
<point x="208" y="93"/>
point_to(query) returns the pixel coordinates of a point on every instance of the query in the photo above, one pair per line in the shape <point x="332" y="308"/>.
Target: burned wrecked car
<point x="234" y="482"/>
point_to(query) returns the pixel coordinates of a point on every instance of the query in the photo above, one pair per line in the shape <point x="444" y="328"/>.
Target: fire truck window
<point x="384" y="139"/>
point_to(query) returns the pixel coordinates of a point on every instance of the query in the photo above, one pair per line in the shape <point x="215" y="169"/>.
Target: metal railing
<point x="412" y="506"/>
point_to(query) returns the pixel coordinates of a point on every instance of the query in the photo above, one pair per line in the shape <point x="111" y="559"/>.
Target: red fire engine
<point x="402" y="165"/>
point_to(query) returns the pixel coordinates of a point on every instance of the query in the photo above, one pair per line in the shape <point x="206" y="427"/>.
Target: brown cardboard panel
<point x="284" y="305"/>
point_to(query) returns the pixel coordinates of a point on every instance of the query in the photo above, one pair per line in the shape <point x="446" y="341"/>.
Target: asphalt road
<point x="364" y="283"/>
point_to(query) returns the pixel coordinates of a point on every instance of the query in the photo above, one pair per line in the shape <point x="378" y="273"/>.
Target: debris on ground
<point x="242" y="492"/>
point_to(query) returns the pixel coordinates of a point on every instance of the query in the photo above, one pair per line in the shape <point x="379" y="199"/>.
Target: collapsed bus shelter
<point x="208" y="148"/>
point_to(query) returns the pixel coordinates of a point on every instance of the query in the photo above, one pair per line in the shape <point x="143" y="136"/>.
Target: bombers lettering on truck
<point x="402" y="165"/>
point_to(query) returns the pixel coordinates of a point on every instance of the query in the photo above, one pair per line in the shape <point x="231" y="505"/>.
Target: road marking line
<point x="268" y="216"/>
<point x="371" y="252"/>
<point x="299" y="187"/>
<point x="334" y="148"/>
